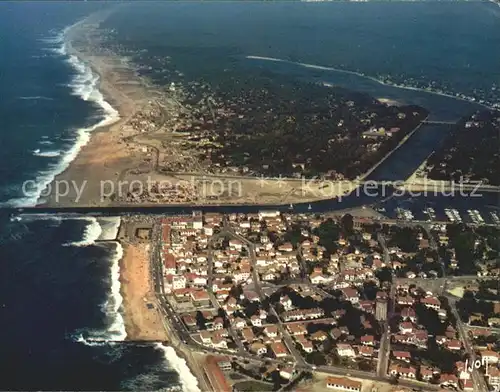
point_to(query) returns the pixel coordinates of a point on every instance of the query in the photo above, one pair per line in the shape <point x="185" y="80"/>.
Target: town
<point x="282" y="301"/>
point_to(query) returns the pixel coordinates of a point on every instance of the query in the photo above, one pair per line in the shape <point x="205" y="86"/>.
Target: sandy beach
<point x="105" y="156"/>
<point x="141" y="322"/>
<point x="147" y="324"/>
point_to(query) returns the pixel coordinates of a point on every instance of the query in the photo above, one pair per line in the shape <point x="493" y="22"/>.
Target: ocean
<point x="60" y="309"/>
<point x="61" y="326"/>
<point x="60" y="296"/>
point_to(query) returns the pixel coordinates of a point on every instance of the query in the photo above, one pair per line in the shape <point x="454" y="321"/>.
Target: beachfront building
<point x="343" y="384"/>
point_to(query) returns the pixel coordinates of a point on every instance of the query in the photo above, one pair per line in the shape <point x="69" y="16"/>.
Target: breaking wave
<point x="36" y="98"/>
<point x="115" y="331"/>
<point x="188" y="381"/>
<point x="85" y="84"/>
<point x="91" y="233"/>
<point x="46" y="154"/>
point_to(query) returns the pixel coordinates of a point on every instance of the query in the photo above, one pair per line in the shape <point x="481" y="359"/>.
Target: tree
<point x="316" y="358"/>
<point x="347" y="223"/>
<point x="328" y="232"/>
<point x="384" y="274"/>
<point x="294" y="235"/>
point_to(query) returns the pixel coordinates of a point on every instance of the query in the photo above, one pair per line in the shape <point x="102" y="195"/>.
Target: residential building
<point x="258" y="348"/>
<point x="343" y="384"/>
<point x="381" y="310"/>
<point x="345" y="350"/>
<point x="279" y="350"/>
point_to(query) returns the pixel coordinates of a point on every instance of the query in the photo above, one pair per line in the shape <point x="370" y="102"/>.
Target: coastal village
<point x="282" y="301"/>
<point x="220" y="232"/>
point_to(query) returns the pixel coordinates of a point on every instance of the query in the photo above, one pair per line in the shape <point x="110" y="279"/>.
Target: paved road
<point x="477" y="378"/>
<point x="385" y="342"/>
<point x="284" y="333"/>
<point x="213" y="298"/>
<point x="492" y="329"/>
<point x="181" y="338"/>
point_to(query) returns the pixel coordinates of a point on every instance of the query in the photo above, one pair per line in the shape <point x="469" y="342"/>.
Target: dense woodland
<point x="472" y="151"/>
<point x="297" y="128"/>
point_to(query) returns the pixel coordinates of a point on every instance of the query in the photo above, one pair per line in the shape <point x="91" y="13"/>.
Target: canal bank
<point x="405" y="160"/>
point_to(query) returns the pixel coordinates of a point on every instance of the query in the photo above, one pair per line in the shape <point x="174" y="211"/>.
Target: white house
<point x="345" y="350"/>
<point x="256" y="321"/>
<point x="178" y="282"/>
<point x="258" y="348"/>
<point x="343" y="384"/>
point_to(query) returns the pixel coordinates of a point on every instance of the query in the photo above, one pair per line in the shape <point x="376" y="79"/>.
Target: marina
<point x="93" y="279"/>
<point x="470" y="210"/>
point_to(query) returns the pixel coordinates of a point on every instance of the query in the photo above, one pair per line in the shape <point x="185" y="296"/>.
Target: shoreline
<point x="374" y="79"/>
<point x="102" y="149"/>
<point x="106" y="158"/>
<point x="143" y="318"/>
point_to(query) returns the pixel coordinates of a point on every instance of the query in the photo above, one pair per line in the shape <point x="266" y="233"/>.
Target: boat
<point x="408" y="215"/>
<point x="495" y="217"/>
<point x="309" y="207"/>
<point x="456" y="215"/>
<point x="473" y="214"/>
<point x="477" y="216"/>
<point x="290" y="207"/>
<point x="430" y="213"/>
<point x="450" y="214"/>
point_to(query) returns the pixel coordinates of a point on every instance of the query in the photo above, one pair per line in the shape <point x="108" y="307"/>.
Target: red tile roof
<point x="215" y="375"/>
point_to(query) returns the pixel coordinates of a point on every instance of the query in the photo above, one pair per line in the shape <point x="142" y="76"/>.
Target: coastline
<point x="470" y="100"/>
<point x="143" y="324"/>
<point x="102" y="154"/>
<point x="132" y="270"/>
<point x="143" y="317"/>
<point x="106" y="158"/>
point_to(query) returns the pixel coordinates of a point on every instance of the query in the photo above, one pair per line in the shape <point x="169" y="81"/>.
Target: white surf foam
<point x="90" y="235"/>
<point x="84" y="85"/>
<point x="110" y="226"/>
<point x="187" y="379"/>
<point x="35" y="217"/>
<point x="46" y="154"/>
<point x="36" y="98"/>
<point x="55" y="42"/>
<point x="457" y="96"/>
<point x="150" y="381"/>
<point x="112" y="306"/>
<point x="79" y="338"/>
<point x="115" y="331"/>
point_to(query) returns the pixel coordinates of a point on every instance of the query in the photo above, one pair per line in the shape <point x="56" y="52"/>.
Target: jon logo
<point x="477" y="364"/>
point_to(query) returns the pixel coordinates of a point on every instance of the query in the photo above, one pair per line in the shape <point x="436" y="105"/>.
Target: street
<point x="182" y="340"/>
